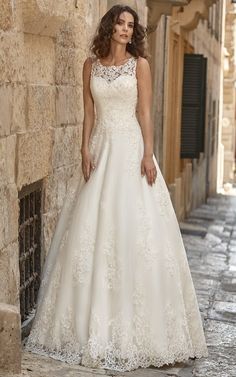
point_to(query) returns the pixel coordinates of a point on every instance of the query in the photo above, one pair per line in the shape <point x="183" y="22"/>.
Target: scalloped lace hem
<point x="111" y="361"/>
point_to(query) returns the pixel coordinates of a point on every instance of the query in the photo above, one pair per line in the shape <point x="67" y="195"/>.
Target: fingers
<point x="151" y="176"/>
<point x="142" y="169"/>
<point x="149" y="169"/>
<point x="93" y="165"/>
<point x="87" y="167"/>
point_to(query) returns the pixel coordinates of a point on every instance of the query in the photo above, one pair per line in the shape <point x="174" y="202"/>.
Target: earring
<point x="130" y="42"/>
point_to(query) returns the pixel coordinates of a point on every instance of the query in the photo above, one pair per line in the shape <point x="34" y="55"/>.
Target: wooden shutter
<point x="193" y="105"/>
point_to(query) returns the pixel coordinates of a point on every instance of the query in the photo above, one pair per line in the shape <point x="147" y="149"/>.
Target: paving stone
<point x="189" y="228"/>
<point x="212" y="239"/>
<point x="220" y="363"/>
<point x="221" y="248"/>
<point x="224" y="311"/>
<point x="216" y="229"/>
<point x="218" y="261"/>
<point x="222" y="295"/>
<point x="219" y="333"/>
<point x="232" y="259"/>
<point x="232" y="268"/>
<point x="232" y="247"/>
<point x="228" y="227"/>
<point x="229" y="285"/>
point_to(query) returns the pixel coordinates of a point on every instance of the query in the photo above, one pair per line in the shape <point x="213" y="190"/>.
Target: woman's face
<point x="123" y="29"/>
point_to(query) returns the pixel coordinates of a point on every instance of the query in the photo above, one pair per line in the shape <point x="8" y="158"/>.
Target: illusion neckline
<point x="116" y="66"/>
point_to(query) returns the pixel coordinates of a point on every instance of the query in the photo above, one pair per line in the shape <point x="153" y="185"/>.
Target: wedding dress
<point x="116" y="289"/>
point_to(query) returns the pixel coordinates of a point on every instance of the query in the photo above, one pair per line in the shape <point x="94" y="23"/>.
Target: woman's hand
<point x="87" y="164"/>
<point x="148" y="168"/>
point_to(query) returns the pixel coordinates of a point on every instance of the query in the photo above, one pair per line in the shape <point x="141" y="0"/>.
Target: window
<point x="30" y="198"/>
<point x="193" y="105"/>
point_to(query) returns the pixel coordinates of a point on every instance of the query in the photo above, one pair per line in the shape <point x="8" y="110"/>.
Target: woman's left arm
<point x="148" y="167"/>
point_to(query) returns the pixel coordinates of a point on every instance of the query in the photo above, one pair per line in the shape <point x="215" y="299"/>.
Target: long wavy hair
<point x="101" y="43"/>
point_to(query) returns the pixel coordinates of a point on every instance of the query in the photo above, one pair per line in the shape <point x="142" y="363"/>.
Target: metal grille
<point x="30" y="246"/>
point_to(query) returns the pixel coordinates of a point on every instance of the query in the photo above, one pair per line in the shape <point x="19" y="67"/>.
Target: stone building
<point x="229" y="106"/>
<point x="186" y="44"/>
<point x="43" y="44"/>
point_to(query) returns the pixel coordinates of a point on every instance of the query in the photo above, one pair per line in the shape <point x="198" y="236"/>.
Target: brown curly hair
<point x="101" y="43"/>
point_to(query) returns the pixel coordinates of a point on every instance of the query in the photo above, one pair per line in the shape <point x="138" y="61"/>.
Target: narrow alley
<point x="210" y="238"/>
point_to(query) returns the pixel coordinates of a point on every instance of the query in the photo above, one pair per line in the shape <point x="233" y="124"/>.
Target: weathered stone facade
<point x="42" y="48"/>
<point x="196" y="28"/>
<point x="228" y="137"/>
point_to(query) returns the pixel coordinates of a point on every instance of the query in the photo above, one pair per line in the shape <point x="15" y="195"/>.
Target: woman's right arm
<point x="88" y="122"/>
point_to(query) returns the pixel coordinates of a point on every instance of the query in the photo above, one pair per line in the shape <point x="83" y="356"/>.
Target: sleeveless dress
<point x="116" y="290"/>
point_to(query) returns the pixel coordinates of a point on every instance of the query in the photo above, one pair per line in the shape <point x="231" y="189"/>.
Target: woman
<point x="117" y="291"/>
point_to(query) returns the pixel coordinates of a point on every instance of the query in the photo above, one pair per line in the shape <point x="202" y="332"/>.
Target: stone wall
<point x="206" y="41"/>
<point x="229" y="118"/>
<point x="42" y="49"/>
<point x="43" y="45"/>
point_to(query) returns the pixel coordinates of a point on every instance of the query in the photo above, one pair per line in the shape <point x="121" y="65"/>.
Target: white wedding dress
<point x="116" y="290"/>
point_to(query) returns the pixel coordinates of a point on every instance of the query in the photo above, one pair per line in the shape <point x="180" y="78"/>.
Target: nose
<point x="125" y="27"/>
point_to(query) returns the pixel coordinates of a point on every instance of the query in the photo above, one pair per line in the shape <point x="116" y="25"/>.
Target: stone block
<point x="65" y="58"/>
<point x="73" y="34"/>
<point x="39" y="59"/>
<point x="6" y="15"/>
<point x="19" y="108"/>
<point x="10" y="158"/>
<point x="11" y="57"/>
<point x="3" y="214"/>
<point x="69" y="108"/>
<point x="66" y="147"/>
<point x="69" y="65"/>
<point x="33" y="156"/>
<point x="6" y="106"/>
<point x="56" y="186"/>
<point x="9" y="274"/>
<point x="3" y="152"/>
<point x="45" y="18"/>
<point x="41" y="106"/>
<point x="12" y="210"/>
<point x="55" y="189"/>
<point x="8" y="214"/>
<point x="10" y="339"/>
<point x="7" y="160"/>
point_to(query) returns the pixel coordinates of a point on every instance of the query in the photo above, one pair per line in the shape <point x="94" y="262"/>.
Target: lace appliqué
<point x="162" y="196"/>
<point x="145" y="244"/>
<point x="112" y="278"/>
<point x="111" y="73"/>
<point x="83" y="255"/>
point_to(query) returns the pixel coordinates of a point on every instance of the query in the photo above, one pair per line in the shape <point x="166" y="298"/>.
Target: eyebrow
<point x="121" y="19"/>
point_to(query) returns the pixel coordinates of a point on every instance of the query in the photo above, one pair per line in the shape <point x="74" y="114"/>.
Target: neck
<point x="117" y="52"/>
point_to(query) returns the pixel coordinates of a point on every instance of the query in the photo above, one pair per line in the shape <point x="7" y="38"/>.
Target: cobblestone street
<point x="210" y="239"/>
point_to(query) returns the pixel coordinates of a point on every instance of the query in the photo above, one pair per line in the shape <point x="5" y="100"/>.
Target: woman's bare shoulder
<point x="143" y="69"/>
<point x="142" y="63"/>
<point x="88" y="63"/>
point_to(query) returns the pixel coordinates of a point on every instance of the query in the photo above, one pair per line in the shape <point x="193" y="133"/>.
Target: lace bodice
<point x="112" y="72"/>
<point x="114" y="89"/>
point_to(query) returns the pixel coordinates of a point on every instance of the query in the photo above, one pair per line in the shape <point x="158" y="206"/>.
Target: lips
<point x="124" y="35"/>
